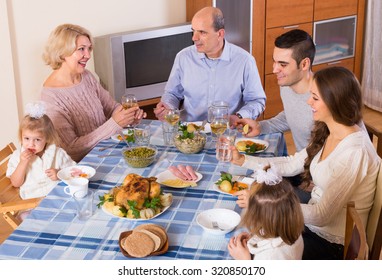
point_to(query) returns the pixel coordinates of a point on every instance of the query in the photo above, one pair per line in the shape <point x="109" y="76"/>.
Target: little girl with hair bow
<point x="34" y="167"/>
<point x="274" y="220"/>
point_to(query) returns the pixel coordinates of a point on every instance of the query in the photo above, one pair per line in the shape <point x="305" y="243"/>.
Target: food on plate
<point x="183" y="172"/>
<point x="187" y="141"/>
<point x="249" y="147"/>
<point x="228" y="185"/>
<point x="137" y="198"/>
<point x="145" y="240"/>
<point x="178" y="183"/>
<point x="77" y="172"/>
<point x="128" y="137"/>
<point x="245" y="129"/>
<point x="139" y="157"/>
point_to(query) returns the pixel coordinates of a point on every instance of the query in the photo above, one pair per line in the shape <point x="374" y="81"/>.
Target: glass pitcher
<point x="218" y="108"/>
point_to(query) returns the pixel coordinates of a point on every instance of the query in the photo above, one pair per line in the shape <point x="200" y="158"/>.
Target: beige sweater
<point x="81" y="115"/>
<point x="349" y="173"/>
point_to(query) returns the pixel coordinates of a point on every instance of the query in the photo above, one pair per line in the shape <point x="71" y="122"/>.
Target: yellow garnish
<point x="246" y="129"/>
<point x="178" y="183"/>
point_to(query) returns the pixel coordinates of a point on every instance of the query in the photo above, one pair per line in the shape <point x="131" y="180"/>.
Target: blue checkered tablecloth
<point x="52" y="230"/>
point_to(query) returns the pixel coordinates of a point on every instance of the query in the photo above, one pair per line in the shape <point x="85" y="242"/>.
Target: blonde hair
<point x="62" y="43"/>
<point x="274" y="211"/>
<point x="42" y="125"/>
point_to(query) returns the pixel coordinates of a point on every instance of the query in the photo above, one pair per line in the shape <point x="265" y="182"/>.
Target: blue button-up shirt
<point x="199" y="81"/>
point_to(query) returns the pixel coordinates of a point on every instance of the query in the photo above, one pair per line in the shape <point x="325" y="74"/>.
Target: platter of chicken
<point x="137" y="198"/>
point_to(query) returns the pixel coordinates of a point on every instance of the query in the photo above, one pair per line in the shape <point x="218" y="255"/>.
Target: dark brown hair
<point x="274" y="211"/>
<point x="300" y="42"/>
<point x="341" y="92"/>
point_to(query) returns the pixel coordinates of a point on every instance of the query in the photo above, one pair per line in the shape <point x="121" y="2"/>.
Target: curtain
<point x="372" y="59"/>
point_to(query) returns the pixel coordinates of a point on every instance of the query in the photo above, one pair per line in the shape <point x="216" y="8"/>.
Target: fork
<point x="107" y="147"/>
<point x="215" y="225"/>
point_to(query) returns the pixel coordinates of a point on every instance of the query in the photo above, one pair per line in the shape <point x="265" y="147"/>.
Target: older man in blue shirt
<point x="212" y="70"/>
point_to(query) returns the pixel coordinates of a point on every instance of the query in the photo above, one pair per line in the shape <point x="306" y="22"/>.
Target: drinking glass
<point x="129" y="101"/>
<point x="142" y="134"/>
<point x="224" y="143"/>
<point x="172" y="116"/>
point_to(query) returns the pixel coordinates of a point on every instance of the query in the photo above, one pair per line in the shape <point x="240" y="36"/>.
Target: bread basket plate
<point x="130" y="219"/>
<point x="256" y="141"/>
<point x="124" y="234"/>
<point x="167" y="175"/>
<point x="75" y="171"/>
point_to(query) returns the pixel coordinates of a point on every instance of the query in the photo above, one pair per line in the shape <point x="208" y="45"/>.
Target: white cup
<point x="77" y="184"/>
<point x="84" y="204"/>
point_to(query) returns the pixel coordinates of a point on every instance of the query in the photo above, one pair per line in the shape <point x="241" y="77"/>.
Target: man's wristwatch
<point x="239" y="116"/>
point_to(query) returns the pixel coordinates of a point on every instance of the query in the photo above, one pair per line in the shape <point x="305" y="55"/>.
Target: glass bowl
<point x="190" y="145"/>
<point x="139" y="156"/>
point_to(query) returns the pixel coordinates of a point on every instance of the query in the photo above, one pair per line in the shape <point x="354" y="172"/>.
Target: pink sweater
<point x="81" y="115"/>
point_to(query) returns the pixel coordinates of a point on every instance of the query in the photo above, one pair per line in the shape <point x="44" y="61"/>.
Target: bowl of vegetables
<point x="190" y="139"/>
<point x="139" y="156"/>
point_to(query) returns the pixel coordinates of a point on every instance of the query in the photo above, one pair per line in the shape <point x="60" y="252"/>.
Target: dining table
<point x="52" y="231"/>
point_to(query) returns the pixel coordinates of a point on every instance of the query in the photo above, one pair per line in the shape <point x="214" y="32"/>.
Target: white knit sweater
<point x="349" y="173"/>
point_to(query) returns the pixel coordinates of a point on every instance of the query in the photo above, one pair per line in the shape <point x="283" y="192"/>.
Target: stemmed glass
<point x="128" y="101"/>
<point x="172" y="116"/>
<point x="219" y="120"/>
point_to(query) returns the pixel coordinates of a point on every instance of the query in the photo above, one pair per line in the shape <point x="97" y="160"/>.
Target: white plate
<point x="115" y="136"/>
<point x="207" y="126"/>
<point x="246" y="180"/>
<point x="226" y="219"/>
<point x="167" y="175"/>
<point x="65" y="174"/>
<point x="258" y="141"/>
<point x="130" y="219"/>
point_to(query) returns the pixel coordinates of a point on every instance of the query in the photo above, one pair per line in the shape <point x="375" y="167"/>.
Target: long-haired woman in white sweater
<point x="340" y="163"/>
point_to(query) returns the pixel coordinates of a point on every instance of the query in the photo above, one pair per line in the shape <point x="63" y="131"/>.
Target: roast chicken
<point x="136" y="188"/>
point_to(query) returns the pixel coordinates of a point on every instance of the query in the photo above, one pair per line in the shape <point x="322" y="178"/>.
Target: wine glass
<point x="219" y="120"/>
<point x="128" y="101"/>
<point x="219" y="125"/>
<point x="172" y="116"/>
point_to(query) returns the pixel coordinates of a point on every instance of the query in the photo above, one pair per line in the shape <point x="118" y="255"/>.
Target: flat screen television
<point x="139" y="62"/>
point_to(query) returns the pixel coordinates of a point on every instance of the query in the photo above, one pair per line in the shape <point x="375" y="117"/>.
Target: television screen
<point x="150" y="61"/>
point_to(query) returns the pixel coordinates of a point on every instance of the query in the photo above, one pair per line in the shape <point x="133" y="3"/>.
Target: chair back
<point x="374" y="223"/>
<point x="7" y="191"/>
<point x="355" y="247"/>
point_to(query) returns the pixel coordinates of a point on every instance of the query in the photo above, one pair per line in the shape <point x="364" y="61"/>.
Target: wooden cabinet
<point x="279" y="17"/>
<point x="271" y="18"/>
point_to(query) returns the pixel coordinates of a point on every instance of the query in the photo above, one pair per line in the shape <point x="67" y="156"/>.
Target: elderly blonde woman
<point x="82" y="111"/>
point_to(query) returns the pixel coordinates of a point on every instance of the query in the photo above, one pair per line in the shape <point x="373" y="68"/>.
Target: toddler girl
<point x="274" y="220"/>
<point x="34" y="168"/>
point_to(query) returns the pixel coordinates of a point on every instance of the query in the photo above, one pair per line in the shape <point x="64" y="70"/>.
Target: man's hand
<point x="159" y="110"/>
<point x="254" y="127"/>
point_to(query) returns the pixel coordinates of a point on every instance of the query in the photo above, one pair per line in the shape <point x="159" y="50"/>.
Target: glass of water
<point x="142" y="134"/>
<point x="223" y="145"/>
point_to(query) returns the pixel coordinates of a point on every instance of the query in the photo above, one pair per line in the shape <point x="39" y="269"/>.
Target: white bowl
<point x="225" y="218"/>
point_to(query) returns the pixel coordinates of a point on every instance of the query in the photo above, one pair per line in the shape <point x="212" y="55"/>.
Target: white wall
<point x="26" y="24"/>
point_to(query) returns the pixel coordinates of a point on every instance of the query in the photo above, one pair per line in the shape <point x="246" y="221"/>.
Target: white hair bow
<point x="35" y="110"/>
<point x="268" y="175"/>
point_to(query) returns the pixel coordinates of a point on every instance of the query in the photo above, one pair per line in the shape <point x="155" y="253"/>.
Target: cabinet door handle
<point x="291" y="26"/>
<point x="335" y="62"/>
